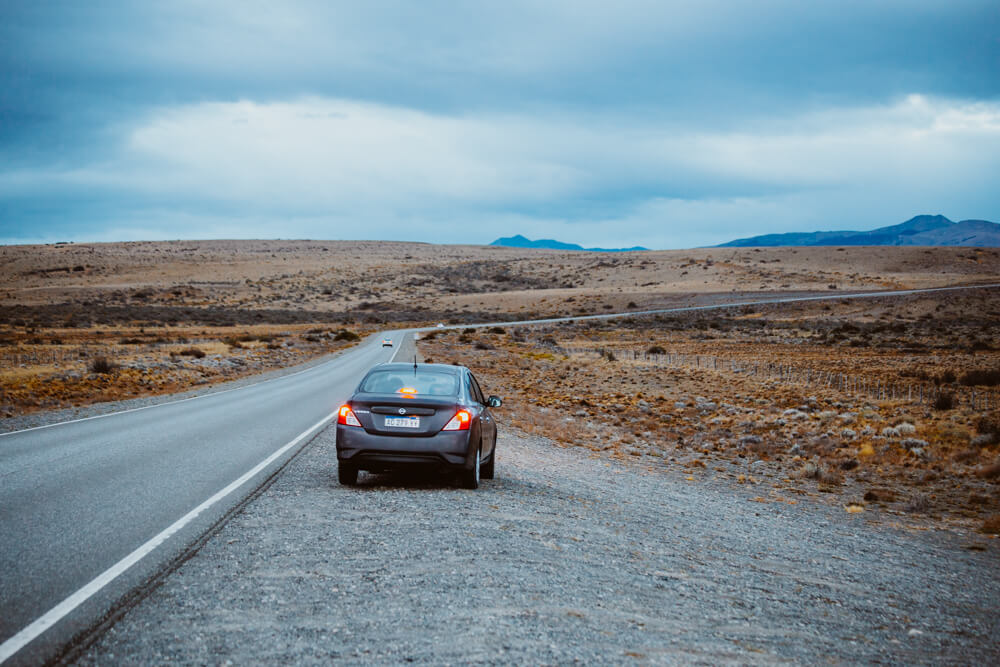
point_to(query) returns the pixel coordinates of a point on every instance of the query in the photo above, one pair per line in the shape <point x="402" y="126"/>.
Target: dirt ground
<point x="834" y="399"/>
<point x="51" y="368"/>
<point x="867" y="405"/>
<point x="288" y="281"/>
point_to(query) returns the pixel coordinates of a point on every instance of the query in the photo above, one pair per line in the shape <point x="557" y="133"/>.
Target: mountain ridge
<point x="921" y="230"/>
<point x="519" y="241"/>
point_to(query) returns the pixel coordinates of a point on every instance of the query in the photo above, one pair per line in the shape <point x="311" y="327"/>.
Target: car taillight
<point x="460" y="422"/>
<point x="346" y="416"/>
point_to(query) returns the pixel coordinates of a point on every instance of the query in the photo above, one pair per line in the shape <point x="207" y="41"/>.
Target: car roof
<point x="440" y="368"/>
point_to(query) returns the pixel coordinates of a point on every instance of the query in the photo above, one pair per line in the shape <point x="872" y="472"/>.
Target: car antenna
<point x="414" y="365"/>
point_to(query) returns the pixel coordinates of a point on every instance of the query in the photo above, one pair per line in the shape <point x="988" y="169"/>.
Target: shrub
<point x="344" y="334"/>
<point x="493" y="330"/>
<point x="918" y="504"/>
<point x="991" y="526"/>
<point x="102" y="365"/>
<point x="981" y="378"/>
<point x="656" y="349"/>
<point x="195" y="352"/>
<point x="947" y="377"/>
<point x="945" y="401"/>
<point x="988" y="426"/>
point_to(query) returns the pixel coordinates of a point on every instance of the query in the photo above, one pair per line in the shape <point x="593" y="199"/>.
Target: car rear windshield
<point x="428" y="383"/>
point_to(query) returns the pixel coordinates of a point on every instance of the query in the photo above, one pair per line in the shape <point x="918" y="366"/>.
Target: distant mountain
<point x="928" y="230"/>
<point x="522" y="242"/>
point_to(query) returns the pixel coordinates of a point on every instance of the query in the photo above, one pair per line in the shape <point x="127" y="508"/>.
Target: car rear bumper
<point x="373" y="452"/>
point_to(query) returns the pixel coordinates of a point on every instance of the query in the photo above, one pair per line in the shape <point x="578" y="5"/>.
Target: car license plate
<point x="404" y="422"/>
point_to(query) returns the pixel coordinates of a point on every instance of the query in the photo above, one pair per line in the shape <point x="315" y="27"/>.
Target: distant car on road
<point x="440" y="325"/>
<point x="405" y="415"/>
<point x="386" y="342"/>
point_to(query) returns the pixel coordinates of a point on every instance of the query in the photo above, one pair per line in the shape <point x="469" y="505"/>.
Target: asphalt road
<point x="78" y="497"/>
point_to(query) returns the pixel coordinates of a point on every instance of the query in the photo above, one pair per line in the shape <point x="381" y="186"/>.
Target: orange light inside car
<point x="407" y="392"/>
<point x="460" y="422"/>
<point x="346" y="416"/>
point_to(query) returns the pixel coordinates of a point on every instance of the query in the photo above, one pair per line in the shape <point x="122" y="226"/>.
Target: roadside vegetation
<point x="606" y="387"/>
<point x="51" y="368"/>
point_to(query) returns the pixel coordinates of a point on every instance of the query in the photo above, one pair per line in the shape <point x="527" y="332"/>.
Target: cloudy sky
<point x="636" y="122"/>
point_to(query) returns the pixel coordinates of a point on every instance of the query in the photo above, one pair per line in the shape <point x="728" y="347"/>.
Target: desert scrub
<point x="981" y="378"/>
<point x="192" y="351"/>
<point x="102" y="365"/>
<point x="988" y="428"/>
<point x="991" y="526"/>
<point x="945" y="401"/>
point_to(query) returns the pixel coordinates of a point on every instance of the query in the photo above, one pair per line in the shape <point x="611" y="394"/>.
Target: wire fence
<point x="922" y="393"/>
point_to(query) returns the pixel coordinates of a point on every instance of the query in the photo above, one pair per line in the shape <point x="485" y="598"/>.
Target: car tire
<point x="347" y="474"/>
<point x="487" y="469"/>
<point x="470" y="478"/>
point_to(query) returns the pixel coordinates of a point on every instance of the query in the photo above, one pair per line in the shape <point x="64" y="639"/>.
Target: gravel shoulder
<point x="564" y="557"/>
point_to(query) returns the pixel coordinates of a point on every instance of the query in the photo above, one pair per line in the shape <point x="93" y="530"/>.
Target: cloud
<point x="420" y="175"/>
<point x="443" y="120"/>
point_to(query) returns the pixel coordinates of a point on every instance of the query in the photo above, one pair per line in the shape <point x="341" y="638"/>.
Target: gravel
<point x="565" y="557"/>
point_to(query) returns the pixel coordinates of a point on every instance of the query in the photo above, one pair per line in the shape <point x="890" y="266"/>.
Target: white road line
<point x="399" y="348"/>
<point x="57" y="613"/>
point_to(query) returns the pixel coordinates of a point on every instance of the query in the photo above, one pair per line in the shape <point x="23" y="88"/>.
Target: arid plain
<point x="884" y="405"/>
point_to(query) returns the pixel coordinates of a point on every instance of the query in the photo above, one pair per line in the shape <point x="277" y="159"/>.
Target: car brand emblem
<point x="402" y="411"/>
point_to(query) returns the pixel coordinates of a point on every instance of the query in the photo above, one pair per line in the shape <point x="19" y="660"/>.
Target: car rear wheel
<point x="347" y="474"/>
<point x="470" y="478"/>
<point x="486" y="472"/>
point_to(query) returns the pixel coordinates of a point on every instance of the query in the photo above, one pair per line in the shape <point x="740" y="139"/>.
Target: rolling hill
<point x="519" y="241"/>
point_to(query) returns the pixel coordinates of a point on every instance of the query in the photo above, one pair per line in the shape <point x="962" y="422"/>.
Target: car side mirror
<point x="494" y="401"/>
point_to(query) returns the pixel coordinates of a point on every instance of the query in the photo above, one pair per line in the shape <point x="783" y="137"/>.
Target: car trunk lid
<point x="397" y="415"/>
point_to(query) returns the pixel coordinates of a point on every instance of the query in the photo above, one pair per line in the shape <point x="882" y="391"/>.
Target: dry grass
<point x="991" y="525"/>
<point x="42" y="374"/>
<point x="825" y="440"/>
<point x="254" y="305"/>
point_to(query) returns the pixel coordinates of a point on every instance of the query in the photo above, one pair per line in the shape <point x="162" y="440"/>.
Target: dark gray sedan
<point x="404" y="415"/>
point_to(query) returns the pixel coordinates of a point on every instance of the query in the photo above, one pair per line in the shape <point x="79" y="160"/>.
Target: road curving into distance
<point x="93" y="510"/>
